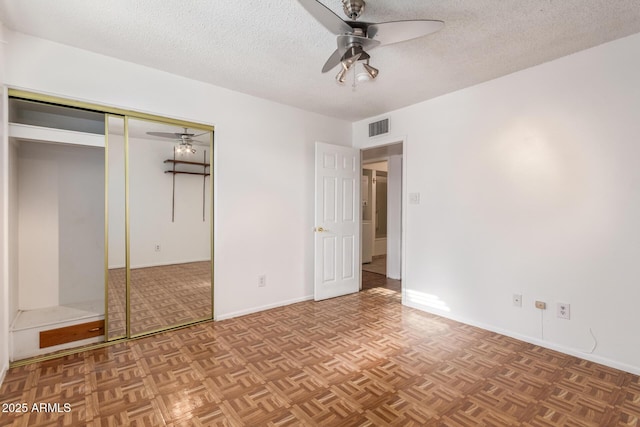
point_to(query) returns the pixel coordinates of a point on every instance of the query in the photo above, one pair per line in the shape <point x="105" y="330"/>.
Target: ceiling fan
<point x="185" y="140"/>
<point x="355" y="38"/>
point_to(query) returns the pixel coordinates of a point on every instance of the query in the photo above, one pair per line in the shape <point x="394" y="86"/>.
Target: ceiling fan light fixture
<point x="351" y="57"/>
<point x="371" y="71"/>
<point x="347" y="64"/>
<point x="185" y="148"/>
<point x="342" y="75"/>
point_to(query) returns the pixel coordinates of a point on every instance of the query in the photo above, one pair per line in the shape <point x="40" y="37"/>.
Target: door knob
<point x="319" y="229"/>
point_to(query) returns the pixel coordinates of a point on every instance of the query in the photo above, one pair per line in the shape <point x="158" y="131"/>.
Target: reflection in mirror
<point x="116" y="262"/>
<point x="170" y="226"/>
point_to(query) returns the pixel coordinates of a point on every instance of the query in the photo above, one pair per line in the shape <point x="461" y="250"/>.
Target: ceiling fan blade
<point x="171" y="135"/>
<point x="366" y="43"/>
<point x="333" y="60"/>
<point x="326" y="17"/>
<point x="399" y="31"/>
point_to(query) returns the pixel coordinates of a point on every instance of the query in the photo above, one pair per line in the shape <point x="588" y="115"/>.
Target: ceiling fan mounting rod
<point x="353" y="8"/>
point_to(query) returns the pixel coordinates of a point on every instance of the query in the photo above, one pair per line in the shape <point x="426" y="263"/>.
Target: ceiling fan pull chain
<point x="353" y="86"/>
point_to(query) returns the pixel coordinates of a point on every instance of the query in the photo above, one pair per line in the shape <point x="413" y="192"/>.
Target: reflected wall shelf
<point x="204" y="173"/>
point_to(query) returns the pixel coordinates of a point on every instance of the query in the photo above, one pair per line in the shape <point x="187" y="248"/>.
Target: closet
<point x="104" y="244"/>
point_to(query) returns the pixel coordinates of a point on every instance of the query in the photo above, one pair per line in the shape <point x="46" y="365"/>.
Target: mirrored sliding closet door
<point x="169" y="225"/>
<point x="116" y="318"/>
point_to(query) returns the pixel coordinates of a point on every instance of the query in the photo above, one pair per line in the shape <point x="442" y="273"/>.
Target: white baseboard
<point x="262" y="308"/>
<point x="3" y="372"/>
<point x="531" y="340"/>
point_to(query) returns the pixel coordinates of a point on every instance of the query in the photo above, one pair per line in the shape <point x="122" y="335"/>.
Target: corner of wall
<point x="4" y="277"/>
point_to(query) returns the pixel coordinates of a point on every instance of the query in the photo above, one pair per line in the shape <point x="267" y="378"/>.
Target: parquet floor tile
<point x="359" y="360"/>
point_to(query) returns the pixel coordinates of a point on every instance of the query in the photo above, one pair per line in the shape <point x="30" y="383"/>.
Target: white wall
<point x="529" y="184"/>
<point x="81" y="226"/>
<point x="263" y="170"/>
<point x="14" y="226"/>
<point x="38" y="212"/>
<point x="60" y="224"/>
<point x="4" y="218"/>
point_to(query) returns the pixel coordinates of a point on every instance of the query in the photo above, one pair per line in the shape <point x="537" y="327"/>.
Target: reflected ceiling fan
<point x="185" y="140"/>
<point x="356" y="38"/>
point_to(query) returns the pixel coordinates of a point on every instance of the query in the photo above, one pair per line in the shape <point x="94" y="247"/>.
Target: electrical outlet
<point x="157" y="247"/>
<point x="262" y="280"/>
<point x="564" y="311"/>
<point x="541" y="305"/>
<point x="517" y="300"/>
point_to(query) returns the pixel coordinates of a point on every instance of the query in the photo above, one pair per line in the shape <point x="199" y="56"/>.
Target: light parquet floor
<point x="359" y="360"/>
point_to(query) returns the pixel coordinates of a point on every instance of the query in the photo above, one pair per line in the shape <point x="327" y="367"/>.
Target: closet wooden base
<point x="71" y="333"/>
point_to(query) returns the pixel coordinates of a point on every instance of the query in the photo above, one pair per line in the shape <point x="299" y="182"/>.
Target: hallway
<point x="374" y="275"/>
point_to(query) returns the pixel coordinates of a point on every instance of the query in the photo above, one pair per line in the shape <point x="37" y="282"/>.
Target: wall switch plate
<point x="564" y="311"/>
<point x="541" y="305"/>
<point x="262" y="280"/>
<point x="157" y="247"/>
<point x="414" y="198"/>
<point x="517" y="300"/>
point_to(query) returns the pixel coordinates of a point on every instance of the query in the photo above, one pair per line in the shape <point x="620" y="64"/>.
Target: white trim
<point x="262" y="308"/>
<point x="531" y="340"/>
<point x="3" y="373"/>
<point x="52" y="135"/>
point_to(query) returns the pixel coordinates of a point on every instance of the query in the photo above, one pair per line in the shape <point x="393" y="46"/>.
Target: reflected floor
<point x="161" y="297"/>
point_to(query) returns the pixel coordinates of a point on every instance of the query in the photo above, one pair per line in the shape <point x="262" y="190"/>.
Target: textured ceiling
<point x="275" y="49"/>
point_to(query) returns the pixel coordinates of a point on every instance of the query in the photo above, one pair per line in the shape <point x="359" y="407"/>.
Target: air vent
<point x="378" y="128"/>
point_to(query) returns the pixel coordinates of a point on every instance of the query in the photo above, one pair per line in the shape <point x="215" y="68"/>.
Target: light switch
<point x="414" y="198"/>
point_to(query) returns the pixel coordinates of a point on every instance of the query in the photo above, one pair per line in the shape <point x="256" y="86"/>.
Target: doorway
<point x="381" y="207"/>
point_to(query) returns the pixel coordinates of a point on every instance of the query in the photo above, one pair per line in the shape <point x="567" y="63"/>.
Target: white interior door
<point x="337" y="230"/>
